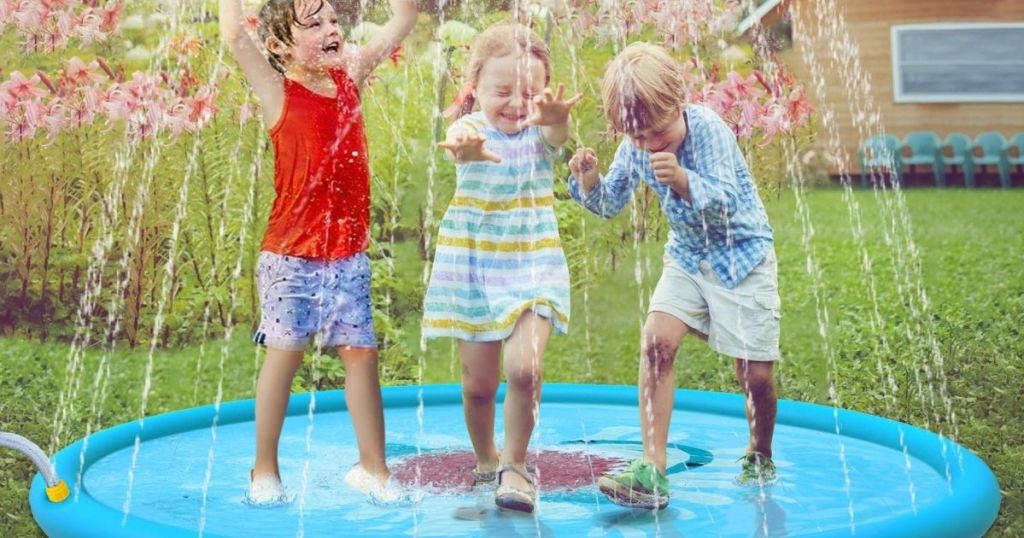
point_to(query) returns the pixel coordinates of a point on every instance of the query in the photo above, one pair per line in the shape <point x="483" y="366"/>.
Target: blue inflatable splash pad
<point x="841" y="473"/>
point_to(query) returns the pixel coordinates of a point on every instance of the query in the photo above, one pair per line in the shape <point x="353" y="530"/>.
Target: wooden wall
<point x="869" y="24"/>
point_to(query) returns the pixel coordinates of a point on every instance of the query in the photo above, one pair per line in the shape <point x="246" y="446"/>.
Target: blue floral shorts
<point x="302" y="298"/>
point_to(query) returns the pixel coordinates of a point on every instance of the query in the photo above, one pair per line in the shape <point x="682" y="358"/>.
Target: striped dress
<point x="498" y="251"/>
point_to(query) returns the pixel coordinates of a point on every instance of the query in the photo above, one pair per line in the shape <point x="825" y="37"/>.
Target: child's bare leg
<point x="757" y="380"/>
<point x="362" y="396"/>
<point x="272" y="391"/>
<point x="657" y="383"/>
<point x="480" y="368"/>
<point x="524" y="351"/>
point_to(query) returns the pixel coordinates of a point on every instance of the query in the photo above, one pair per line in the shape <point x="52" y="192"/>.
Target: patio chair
<point x="988" y="150"/>
<point x="923" y="147"/>
<point x="1013" y="152"/>
<point x="956" y="151"/>
<point x="880" y="151"/>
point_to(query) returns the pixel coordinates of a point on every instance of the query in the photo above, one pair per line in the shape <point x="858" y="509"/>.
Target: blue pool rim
<point x="969" y="510"/>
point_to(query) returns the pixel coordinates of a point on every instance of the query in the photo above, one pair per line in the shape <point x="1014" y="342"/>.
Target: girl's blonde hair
<point x="495" y="42"/>
<point x="642" y="86"/>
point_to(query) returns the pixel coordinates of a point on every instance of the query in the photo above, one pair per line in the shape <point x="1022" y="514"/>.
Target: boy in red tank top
<point x="313" y="274"/>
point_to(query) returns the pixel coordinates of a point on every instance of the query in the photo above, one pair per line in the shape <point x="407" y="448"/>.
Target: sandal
<point x="483" y="478"/>
<point x="640" y="486"/>
<point x="513" y="498"/>
<point x="756" y="470"/>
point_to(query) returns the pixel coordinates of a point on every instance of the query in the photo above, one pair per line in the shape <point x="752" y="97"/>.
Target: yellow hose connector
<point x="58" y="492"/>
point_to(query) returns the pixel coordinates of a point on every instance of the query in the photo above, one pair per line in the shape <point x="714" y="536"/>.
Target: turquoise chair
<point x="1014" y="146"/>
<point x="880" y="151"/>
<point x="956" y="151"/>
<point x="988" y="150"/>
<point x="924" y="147"/>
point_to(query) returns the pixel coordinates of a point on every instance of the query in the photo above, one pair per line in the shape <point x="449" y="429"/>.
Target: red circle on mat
<point x="555" y="469"/>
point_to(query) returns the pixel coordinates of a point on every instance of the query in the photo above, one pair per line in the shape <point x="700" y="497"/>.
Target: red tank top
<point x="321" y="174"/>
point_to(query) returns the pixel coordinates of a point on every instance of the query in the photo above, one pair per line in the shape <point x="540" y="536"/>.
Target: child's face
<point x="506" y="88"/>
<point x="317" y="40"/>
<point x="666" y="136"/>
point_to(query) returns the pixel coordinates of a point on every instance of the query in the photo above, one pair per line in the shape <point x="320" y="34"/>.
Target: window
<point x="958" y="62"/>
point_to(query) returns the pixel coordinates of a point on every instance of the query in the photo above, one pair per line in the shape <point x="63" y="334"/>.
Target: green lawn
<point x="970" y="247"/>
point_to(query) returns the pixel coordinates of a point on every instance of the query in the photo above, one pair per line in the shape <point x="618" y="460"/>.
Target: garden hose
<point x="56" y="489"/>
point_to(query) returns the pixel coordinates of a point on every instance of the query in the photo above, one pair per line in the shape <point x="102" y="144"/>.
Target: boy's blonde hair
<point x="498" y="41"/>
<point x="642" y="86"/>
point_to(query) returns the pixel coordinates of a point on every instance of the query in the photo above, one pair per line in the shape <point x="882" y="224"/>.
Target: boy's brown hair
<point x="277" y="17"/>
<point x="642" y="86"/>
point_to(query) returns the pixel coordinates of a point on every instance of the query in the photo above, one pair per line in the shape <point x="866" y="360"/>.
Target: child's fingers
<point x="574" y="164"/>
<point x="561" y="91"/>
<point x="529" y="122"/>
<point x="663" y="168"/>
<point x="575" y="99"/>
<point x="491" y="156"/>
<point x="664" y="158"/>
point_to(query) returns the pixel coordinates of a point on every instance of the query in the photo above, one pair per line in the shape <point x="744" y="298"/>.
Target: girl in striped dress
<point x="500" y="281"/>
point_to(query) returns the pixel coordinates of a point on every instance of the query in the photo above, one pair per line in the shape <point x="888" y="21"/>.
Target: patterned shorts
<point x="301" y="298"/>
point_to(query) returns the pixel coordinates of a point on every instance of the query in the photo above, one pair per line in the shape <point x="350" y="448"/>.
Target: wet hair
<point x="276" y="20"/>
<point x="641" y="87"/>
<point x="498" y="41"/>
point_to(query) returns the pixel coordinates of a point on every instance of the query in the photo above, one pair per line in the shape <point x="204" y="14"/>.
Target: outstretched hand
<point x="551" y="108"/>
<point x="583" y="167"/>
<point x="469" y="147"/>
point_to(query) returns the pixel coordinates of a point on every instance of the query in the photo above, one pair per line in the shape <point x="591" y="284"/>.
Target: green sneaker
<point x="641" y="485"/>
<point x="756" y="470"/>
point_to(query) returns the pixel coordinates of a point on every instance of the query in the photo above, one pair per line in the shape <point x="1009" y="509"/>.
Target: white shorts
<point x="742" y="322"/>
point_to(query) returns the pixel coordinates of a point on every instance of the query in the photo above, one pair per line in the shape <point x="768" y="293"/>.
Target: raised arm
<point x="403" y="18"/>
<point x="267" y="83"/>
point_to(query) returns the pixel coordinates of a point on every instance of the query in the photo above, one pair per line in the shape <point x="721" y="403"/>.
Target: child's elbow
<point x="405" y="9"/>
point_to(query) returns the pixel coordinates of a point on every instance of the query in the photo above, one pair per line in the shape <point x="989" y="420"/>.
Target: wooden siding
<point x="869" y="24"/>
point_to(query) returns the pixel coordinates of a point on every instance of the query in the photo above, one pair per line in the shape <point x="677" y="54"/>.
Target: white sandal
<point x="513" y="498"/>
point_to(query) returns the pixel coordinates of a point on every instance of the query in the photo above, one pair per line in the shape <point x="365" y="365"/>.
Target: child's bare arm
<point x="267" y="83"/>
<point x="403" y="18"/>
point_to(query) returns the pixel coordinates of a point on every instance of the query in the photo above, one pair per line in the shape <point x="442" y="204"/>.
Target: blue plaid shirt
<point x="725" y="224"/>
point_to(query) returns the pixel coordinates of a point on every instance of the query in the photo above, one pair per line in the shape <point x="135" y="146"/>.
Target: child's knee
<point x="479" y="392"/>
<point x="658" y="353"/>
<point x="526" y="378"/>
<point x="754" y="377"/>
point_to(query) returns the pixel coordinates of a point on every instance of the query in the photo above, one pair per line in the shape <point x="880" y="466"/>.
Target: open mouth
<point x="332" y="47"/>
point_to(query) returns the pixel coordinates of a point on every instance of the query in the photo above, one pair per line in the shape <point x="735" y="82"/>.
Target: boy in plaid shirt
<point x="719" y="279"/>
